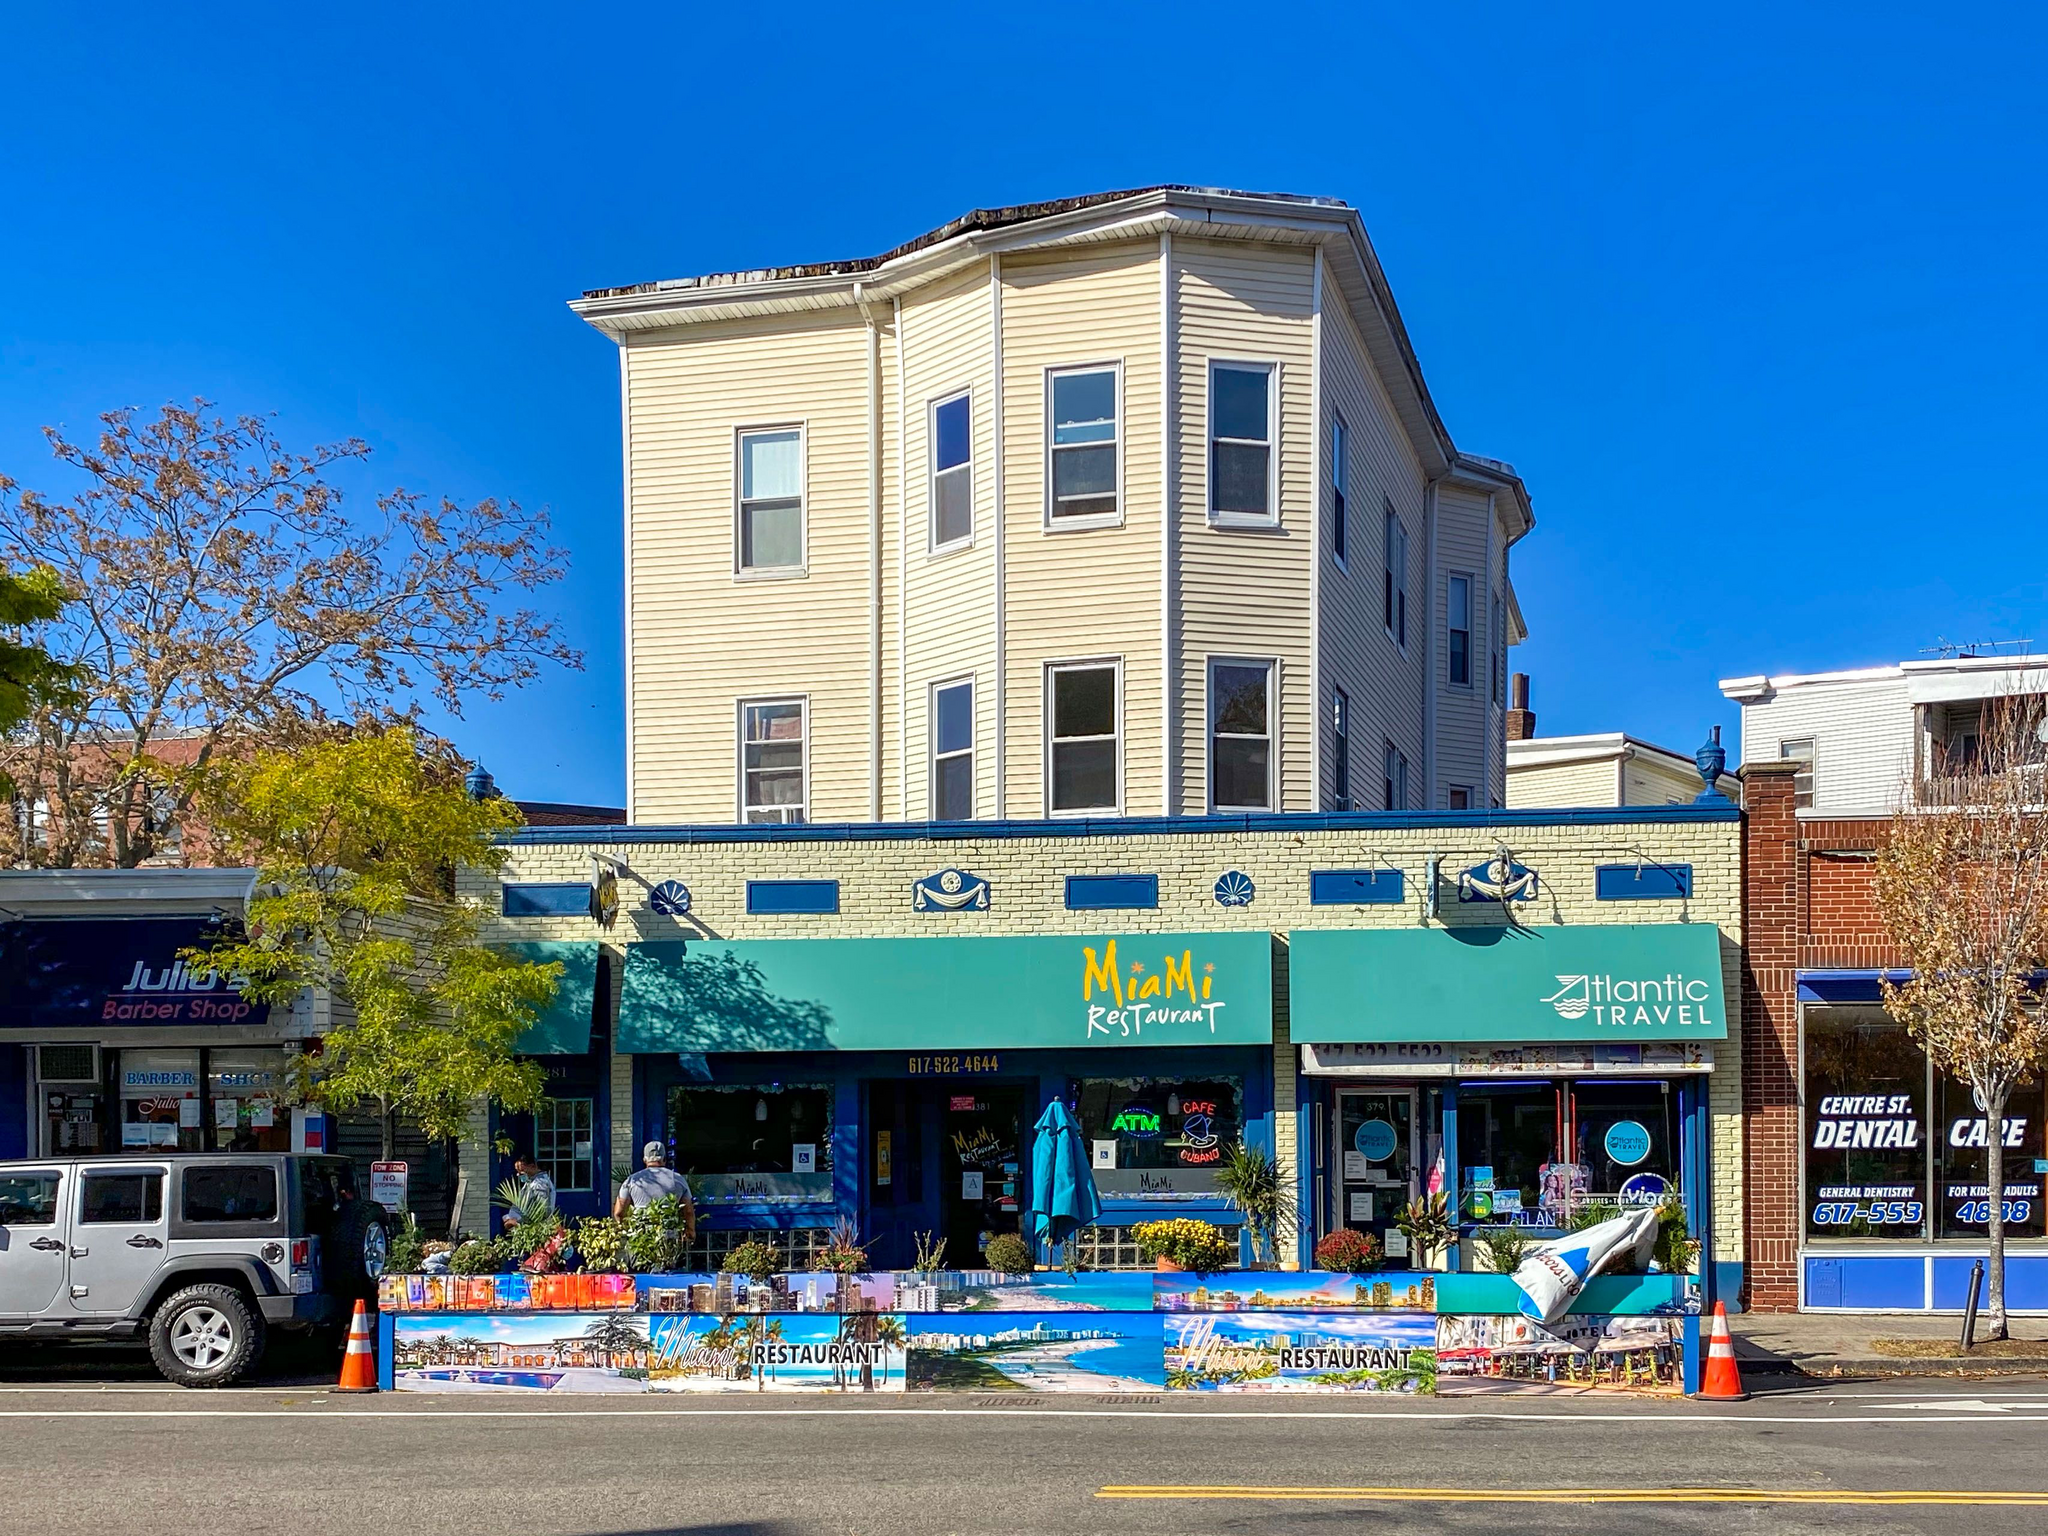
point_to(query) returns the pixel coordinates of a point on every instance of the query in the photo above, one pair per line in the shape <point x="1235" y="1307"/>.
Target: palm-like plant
<point x="1250" y="1180"/>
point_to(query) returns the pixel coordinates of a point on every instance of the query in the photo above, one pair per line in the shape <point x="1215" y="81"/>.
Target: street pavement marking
<point x="1960" y="1405"/>
<point x="1585" y="1495"/>
<point x="427" y="1411"/>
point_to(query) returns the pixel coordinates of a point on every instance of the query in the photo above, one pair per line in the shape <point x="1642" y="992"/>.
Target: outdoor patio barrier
<point x="976" y="1330"/>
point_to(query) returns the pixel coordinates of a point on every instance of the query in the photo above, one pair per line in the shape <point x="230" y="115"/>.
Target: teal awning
<point x="948" y="994"/>
<point x="1622" y="981"/>
<point x="563" y="1029"/>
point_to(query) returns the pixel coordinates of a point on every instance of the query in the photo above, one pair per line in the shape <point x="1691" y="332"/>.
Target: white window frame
<point x="1451" y="582"/>
<point x="550" y="1108"/>
<point x="1270" y="518"/>
<point x="934" y="545"/>
<point x="1340" y="748"/>
<point x="1811" y="757"/>
<point x="1394" y="786"/>
<point x="741" y="571"/>
<point x="1054" y="523"/>
<point x="1394" y="592"/>
<point x="1272" y="737"/>
<point x="1083" y="664"/>
<point x="933" y="756"/>
<point x="803" y="806"/>
<point x="1340" y="492"/>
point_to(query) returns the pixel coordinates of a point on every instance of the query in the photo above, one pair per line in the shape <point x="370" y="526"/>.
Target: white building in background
<point x="1608" y="768"/>
<point x="1867" y="735"/>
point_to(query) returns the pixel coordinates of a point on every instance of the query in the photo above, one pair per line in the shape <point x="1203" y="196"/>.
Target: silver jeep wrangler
<point x="202" y="1253"/>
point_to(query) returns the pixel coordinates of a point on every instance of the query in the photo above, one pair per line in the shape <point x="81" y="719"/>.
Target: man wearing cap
<point x="649" y="1184"/>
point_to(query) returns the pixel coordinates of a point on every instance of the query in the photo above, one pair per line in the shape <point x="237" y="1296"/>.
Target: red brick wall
<point x="1806" y="904"/>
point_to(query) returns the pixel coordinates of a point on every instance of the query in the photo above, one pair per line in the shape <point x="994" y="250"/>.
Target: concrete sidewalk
<point x="1834" y="1344"/>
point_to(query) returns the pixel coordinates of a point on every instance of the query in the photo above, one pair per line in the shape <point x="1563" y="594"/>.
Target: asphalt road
<point x="112" y="1449"/>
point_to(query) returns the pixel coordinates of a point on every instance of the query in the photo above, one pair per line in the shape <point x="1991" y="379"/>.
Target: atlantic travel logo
<point x="1616" y="1002"/>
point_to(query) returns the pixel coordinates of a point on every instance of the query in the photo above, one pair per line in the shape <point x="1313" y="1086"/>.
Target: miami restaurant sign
<point x="1106" y="989"/>
<point x="1603" y="982"/>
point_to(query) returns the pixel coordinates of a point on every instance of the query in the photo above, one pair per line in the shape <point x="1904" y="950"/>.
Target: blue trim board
<point x="1129" y="826"/>
<point x="1642" y="882"/>
<point x="552" y="898"/>
<point x="1355" y="887"/>
<point x="1112" y="893"/>
<point x="2026" y="1281"/>
<point x="789" y="897"/>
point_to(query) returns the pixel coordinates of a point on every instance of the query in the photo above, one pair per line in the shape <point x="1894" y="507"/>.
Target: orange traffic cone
<point x="359" y="1365"/>
<point x="1720" y="1381"/>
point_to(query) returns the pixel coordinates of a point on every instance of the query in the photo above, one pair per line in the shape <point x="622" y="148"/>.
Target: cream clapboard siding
<point x="949" y="599"/>
<point x="1647" y="781"/>
<point x="1246" y="592"/>
<point x="1862" y="734"/>
<point x="703" y="639"/>
<point x="1383" y="684"/>
<point x="1463" y="715"/>
<point x="1563" y="786"/>
<point x="1082" y="593"/>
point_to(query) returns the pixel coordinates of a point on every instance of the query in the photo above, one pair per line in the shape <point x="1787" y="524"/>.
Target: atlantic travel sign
<point x="1604" y="982"/>
<point x="1014" y="993"/>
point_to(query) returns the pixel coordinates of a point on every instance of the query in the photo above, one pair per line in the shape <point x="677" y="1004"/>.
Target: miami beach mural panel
<point x="1070" y="1351"/>
<point x="770" y="1352"/>
<point x="1255" y="1290"/>
<point x="1484" y="1354"/>
<point x="1300" y="1352"/>
<point x="497" y="1352"/>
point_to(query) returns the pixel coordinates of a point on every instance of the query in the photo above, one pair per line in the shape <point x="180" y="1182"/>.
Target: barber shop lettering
<point x="174" y="994"/>
<point x="1137" y="997"/>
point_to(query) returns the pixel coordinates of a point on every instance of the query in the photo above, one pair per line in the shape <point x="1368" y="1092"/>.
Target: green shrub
<point x="1347" y="1251"/>
<point x="1009" y="1254"/>
<point x="408" y="1252"/>
<point x="754" y="1259"/>
<point x="480" y="1256"/>
<point x="1505" y="1247"/>
<point x="601" y="1244"/>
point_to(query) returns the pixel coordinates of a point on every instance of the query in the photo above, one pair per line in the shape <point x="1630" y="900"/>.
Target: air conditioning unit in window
<point x="68" y="1063"/>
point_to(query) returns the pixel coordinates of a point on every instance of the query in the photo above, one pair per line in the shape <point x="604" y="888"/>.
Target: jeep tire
<point x="205" y="1336"/>
<point x="352" y="1255"/>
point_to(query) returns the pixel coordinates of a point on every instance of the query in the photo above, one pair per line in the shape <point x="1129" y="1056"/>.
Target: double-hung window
<point x="773" y="747"/>
<point x="1800" y="752"/>
<point x="1082" y="714"/>
<point x="1458" y="620"/>
<point x="1340" y="747"/>
<point x="1340" y="480"/>
<point x="1396" y="779"/>
<point x="1240" y="735"/>
<point x="1081" y="444"/>
<point x="1396" y="587"/>
<point x="952" y="453"/>
<point x="563" y="1142"/>
<point x="771" y="501"/>
<point x="953" y="751"/>
<point x="1241" y="460"/>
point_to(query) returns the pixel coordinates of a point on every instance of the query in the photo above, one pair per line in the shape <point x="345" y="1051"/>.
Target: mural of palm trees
<point x="773" y="1333"/>
<point x="890" y="1333"/>
<point x="612" y="1336"/>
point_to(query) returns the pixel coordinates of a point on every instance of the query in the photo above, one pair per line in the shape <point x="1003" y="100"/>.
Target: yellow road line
<point x="1583" y="1495"/>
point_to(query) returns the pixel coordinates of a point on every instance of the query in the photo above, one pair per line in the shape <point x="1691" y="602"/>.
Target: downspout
<point x="626" y="484"/>
<point x="1429" y="711"/>
<point x="1169" y="510"/>
<point x="1621" y="775"/>
<point x="1319" y="480"/>
<point x="1499" y="646"/>
<point x="995" y="289"/>
<point x="874" y="553"/>
<point x="902" y="575"/>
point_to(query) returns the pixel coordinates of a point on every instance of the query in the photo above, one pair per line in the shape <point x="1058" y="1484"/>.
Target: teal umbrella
<point x="1063" y="1197"/>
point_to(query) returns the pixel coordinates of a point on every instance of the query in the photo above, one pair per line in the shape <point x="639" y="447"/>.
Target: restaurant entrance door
<point x="946" y="1159"/>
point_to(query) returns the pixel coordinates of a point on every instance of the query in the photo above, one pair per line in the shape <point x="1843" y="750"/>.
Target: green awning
<point x="563" y="1029"/>
<point x="948" y="994"/>
<point x="1623" y="981"/>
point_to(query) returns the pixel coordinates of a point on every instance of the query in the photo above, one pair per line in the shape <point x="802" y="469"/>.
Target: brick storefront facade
<point x="1806" y="905"/>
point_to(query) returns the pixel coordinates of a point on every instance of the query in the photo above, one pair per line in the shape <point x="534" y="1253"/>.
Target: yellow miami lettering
<point x="1104" y="975"/>
<point x="1182" y="975"/>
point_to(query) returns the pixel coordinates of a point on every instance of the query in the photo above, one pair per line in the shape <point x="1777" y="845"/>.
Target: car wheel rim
<point x="376" y="1249"/>
<point x="202" y="1338"/>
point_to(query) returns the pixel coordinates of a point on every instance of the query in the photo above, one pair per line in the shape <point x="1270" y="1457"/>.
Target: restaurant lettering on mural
<point x="1138" y="998"/>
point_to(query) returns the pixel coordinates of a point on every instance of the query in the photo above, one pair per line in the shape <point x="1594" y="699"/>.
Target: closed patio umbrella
<point x="1063" y="1196"/>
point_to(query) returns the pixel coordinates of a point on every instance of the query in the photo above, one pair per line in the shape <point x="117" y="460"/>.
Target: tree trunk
<point x="387" y="1130"/>
<point x="1994" y="1182"/>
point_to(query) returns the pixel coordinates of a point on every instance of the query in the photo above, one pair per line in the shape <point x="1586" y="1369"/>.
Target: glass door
<point x="1375" y="1162"/>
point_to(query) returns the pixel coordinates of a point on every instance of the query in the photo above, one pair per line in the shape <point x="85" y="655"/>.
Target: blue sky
<point x="1751" y="296"/>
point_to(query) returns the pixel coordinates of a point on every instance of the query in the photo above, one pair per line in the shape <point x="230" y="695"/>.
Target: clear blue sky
<point x="1752" y="297"/>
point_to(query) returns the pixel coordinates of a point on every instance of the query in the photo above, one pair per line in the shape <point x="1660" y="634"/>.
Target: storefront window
<point x="247" y="1093"/>
<point x="753" y="1143"/>
<point x="1626" y="1137"/>
<point x="1865" y="1127"/>
<point x="1511" y="1129"/>
<point x="562" y="1142"/>
<point x="1157" y="1135"/>
<point x="1375" y="1158"/>
<point x="1962" y="1162"/>
<point x="160" y="1102"/>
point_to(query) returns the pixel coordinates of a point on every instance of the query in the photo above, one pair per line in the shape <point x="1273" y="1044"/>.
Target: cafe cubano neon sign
<point x="1134" y="997"/>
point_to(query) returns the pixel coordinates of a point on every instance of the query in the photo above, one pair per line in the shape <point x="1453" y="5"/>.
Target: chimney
<point x="1521" y="719"/>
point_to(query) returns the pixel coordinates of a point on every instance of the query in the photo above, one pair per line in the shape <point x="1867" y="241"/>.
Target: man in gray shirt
<point x="649" y="1184"/>
<point x="533" y="1179"/>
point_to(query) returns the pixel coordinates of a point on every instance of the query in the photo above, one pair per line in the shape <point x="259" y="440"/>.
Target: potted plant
<point x="755" y="1259"/>
<point x="1009" y="1254"/>
<point x="536" y="1239"/>
<point x="931" y="1254"/>
<point x="844" y="1254"/>
<point x="1426" y="1223"/>
<point x="600" y="1243"/>
<point x="1183" y="1243"/>
<point x="1348" y="1252"/>
<point x="1504" y="1247"/>
<point x="1251" y="1181"/>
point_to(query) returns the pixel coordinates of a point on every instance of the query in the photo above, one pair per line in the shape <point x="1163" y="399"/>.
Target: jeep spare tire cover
<point x="353" y="1254"/>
